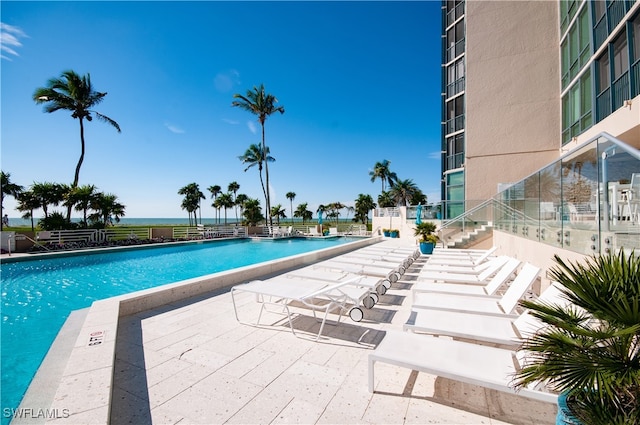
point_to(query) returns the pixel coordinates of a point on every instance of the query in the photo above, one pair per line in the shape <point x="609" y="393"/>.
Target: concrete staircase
<point x="472" y="237"/>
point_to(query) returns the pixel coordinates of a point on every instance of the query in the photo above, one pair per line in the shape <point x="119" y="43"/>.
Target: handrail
<point x="478" y="207"/>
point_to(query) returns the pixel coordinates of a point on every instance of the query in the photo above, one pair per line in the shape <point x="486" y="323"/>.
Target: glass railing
<point x="587" y="201"/>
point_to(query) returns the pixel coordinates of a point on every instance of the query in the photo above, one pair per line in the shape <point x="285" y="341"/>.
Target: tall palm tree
<point x="74" y="93"/>
<point x="291" y="196"/>
<point x="215" y="191"/>
<point x="262" y="104"/>
<point x="253" y="156"/>
<point x="107" y="207"/>
<point x="8" y="188"/>
<point x="334" y="210"/>
<point x="234" y="187"/>
<point x="381" y="171"/>
<point x="402" y="191"/>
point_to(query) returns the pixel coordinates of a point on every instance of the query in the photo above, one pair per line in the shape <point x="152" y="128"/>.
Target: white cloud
<point x="174" y="129"/>
<point x="9" y="39"/>
<point x="225" y="81"/>
<point x="228" y="121"/>
<point x="252" y="127"/>
<point x="435" y="155"/>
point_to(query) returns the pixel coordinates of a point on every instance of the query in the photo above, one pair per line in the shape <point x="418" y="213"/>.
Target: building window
<point x="455" y="152"/>
<point x="455" y="78"/>
<point x="575" y="49"/>
<point x="576" y="108"/>
<point x="635" y="56"/>
<point x="455" y="41"/>
<point x="455" y="114"/>
<point x="568" y="9"/>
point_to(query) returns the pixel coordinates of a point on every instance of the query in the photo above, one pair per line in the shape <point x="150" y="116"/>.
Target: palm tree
<point x="241" y="198"/>
<point x="252" y="212"/>
<point x="291" y="196"/>
<point x="234" y="187"/>
<point x="191" y="201"/>
<point x="81" y="197"/>
<point x="8" y="188"/>
<point x="225" y="201"/>
<point x="303" y="213"/>
<point x="262" y="104"/>
<point x="27" y="202"/>
<point x="254" y="155"/>
<point x="215" y="191"/>
<point x="385" y="200"/>
<point x="381" y="171"/>
<point x="364" y="204"/>
<point x="48" y="194"/>
<point x="107" y="208"/>
<point x="278" y="212"/>
<point x="402" y="191"/>
<point x="334" y="210"/>
<point x="74" y="93"/>
<point x="590" y="347"/>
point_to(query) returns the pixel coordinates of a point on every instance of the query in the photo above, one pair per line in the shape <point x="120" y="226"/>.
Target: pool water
<point x="38" y="295"/>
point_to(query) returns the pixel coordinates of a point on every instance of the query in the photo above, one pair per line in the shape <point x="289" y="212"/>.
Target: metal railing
<point x="588" y="201"/>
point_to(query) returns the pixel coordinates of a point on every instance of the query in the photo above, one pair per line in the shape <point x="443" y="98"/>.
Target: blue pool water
<point x="38" y="295"/>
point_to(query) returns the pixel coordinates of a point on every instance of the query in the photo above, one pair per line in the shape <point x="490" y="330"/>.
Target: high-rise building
<point x="525" y="81"/>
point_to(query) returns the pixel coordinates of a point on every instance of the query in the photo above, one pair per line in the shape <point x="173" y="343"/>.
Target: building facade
<point x="523" y="82"/>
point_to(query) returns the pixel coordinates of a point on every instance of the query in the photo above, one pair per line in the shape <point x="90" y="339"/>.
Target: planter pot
<point x="386" y="234"/>
<point x="564" y="416"/>
<point x="427" y="247"/>
<point x="394" y="234"/>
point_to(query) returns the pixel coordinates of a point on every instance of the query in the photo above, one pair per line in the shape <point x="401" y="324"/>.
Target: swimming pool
<point x="38" y="295"/>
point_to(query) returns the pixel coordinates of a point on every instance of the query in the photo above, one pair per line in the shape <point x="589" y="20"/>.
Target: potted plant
<point x="427" y="239"/>
<point x="386" y="232"/>
<point x="394" y="233"/>
<point x="590" y="351"/>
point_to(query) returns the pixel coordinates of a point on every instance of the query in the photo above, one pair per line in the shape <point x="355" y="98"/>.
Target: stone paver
<point x="194" y="363"/>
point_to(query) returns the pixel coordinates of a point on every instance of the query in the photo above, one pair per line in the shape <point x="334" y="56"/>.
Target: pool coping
<point x="84" y="392"/>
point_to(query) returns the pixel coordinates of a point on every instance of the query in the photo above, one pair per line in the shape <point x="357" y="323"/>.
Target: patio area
<point x="192" y="363"/>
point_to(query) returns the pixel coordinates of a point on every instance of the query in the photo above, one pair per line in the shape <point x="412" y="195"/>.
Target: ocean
<point x="19" y="222"/>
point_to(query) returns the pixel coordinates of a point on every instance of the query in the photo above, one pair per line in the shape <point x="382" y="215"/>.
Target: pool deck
<point x="191" y="362"/>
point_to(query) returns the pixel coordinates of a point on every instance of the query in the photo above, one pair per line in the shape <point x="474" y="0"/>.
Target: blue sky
<point x="360" y="83"/>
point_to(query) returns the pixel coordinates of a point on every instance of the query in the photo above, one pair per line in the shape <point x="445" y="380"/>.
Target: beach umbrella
<point x="320" y="220"/>
<point x="419" y="214"/>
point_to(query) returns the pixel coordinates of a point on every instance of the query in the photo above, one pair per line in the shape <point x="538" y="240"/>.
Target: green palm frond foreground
<point x="592" y="348"/>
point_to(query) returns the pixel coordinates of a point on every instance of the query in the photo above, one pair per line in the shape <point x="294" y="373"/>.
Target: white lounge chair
<point x="505" y="331"/>
<point x="315" y="295"/>
<point x="374" y="284"/>
<point x="313" y="231"/>
<point x="498" y="280"/>
<point x="479" y="278"/>
<point x="333" y="231"/>
<point x="405" y="260"/>
<point x="489" y="367"/>
<point x="389" y="274"/>
<point x="459" y="267"/>
<point x="382" y="247"/>
<point x="391" y="265"/>
<point x="461" y="258"/>
<point x="482" y="304"/>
